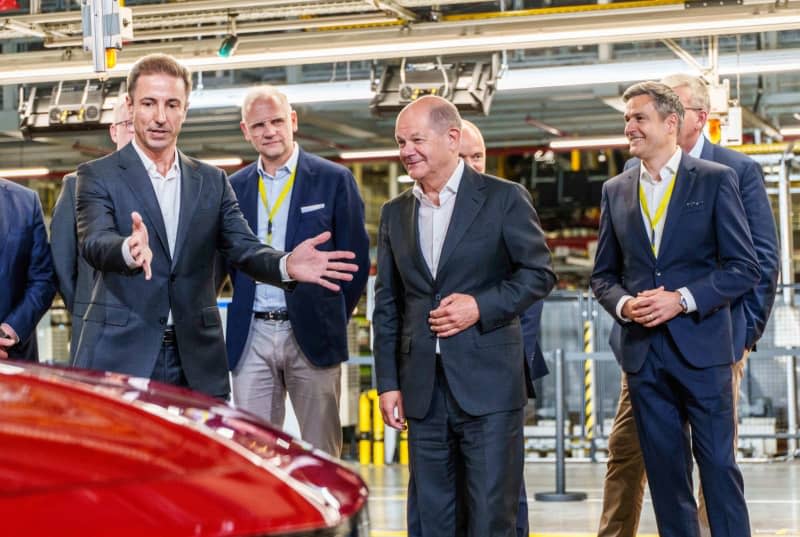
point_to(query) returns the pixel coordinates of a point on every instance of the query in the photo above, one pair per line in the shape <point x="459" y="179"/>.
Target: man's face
<point x="158" y="109"/>
<point x="121" y="130"/>
<point x="648" y="134"/>
<point x="694" y="119"/>
<point x="428" y="154"/>
<point x="269" y="125"/>
<point x="472" y="150"/>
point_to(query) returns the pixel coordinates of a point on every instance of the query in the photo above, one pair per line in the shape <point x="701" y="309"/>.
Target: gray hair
<point x="698" y="89"/>
<point x="665" y="100"/>
<point x="265" y="92"/>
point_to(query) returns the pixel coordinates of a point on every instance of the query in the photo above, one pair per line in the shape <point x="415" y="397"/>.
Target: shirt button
<point x="658" y="273"/>
<point x="438" y="297"/>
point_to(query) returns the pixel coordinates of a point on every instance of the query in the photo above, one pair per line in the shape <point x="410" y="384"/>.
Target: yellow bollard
<point x="364" y="429"/>
<point x="377" y="430"/>
<point x="404" y="447"/>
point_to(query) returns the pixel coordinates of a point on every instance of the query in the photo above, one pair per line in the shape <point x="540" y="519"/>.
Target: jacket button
<point x="172" y="278"/>
<point x="658" y="273"/>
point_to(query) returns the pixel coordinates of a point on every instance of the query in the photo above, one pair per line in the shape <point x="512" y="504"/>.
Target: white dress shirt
<point x="168" y="193"/>
<point x="654" y="190"/>
<point x="433" y="220"/>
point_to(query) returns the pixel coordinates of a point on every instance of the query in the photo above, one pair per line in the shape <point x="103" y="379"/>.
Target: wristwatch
<point x="684" y="304"/>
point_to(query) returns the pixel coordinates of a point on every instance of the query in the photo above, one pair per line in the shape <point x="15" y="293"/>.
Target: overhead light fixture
<point x="320" y="92"/>
<point x="533" y="122"/>
<point x="370" y="154"/>
<point x="585" y="143"/>
<point x="24" y="172"/>
<point x="791" y="131"/>
<point x="223" y="162"/>
<point x="229" y="43"/>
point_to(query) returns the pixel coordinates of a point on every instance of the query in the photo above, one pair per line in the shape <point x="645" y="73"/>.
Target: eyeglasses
<point x="128" y="124"/>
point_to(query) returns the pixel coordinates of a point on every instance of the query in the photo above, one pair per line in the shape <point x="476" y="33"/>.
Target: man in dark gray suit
<point x="165" y="324"/>
<point x="75" y="276"/>
<point x="460" y="257"/>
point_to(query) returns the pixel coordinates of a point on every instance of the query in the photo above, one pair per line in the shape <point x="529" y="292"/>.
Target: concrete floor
<point x="772" y="490"/>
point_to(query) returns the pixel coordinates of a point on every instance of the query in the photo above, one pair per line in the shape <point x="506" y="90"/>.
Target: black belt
<point x="168" y="339"/>
<point x="275" y="315"/>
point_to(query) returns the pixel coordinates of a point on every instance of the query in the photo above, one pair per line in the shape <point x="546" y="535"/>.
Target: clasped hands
<point x="653" y="307"/>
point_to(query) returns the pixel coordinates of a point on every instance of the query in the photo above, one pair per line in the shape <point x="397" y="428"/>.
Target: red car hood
<point x="91" y="454"/>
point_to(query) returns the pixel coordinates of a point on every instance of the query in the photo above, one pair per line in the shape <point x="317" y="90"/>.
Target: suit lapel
<point x="302" y="184"/>
<point x="134" y="175"/>
<point x="410" y="219"/>
<point x="191" y="185"/>
<point x="469" y="200"/>
<point x="249" y="201"/>
<point x="635" y="219"/>
<point x="684" y="183"/>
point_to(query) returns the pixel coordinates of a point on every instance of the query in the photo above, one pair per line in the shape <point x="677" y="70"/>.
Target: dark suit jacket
<point x="318" y="316"/>
<point x="750" y="312"/>
<point x="495" y="251"/>
<point x="75" y="276"/>
<point x="535" y="366"/>
<point x="706" y="247"/>
<point x="26" y="266"/>
<point x="125" y="320"/>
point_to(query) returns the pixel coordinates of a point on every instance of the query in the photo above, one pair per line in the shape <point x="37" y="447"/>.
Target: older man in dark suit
<point x="75" y="276"/>
<point x="26" y="270"/>
<point x="674" y="251"/>
<point x="153" y="311"/>
<point x="460" y="257"/>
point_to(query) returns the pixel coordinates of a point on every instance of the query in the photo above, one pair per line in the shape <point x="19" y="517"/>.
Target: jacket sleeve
<point x="606" y="280"/>
<point x="40" y="287"/>
<point x="350" y="234"/>
<point x="64" y="241"/>
<point x="758" y="304"/>
<point x="532" y="277"/>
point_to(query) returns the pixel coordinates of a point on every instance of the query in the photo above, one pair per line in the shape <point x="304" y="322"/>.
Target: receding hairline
<point x="467" y="125"/>
<point x="442" y="115"/>
<point x="264" y="93"/>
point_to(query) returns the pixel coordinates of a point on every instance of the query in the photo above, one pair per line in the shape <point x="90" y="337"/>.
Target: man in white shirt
<point x="153" y="311"/>
<point x="460" y="257"/>
<point x="674" y="250"/>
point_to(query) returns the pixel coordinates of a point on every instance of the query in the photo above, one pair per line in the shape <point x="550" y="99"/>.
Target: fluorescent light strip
<point x="328" y="92"/>
<point x="223" y="162"/>
<point x="24" y="172"/>
<point x="370" y="153"/>
<point x="790" y="131"/>
<point x="580" y="143"/>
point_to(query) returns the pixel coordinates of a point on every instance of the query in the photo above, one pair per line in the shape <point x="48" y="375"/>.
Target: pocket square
<point x="312" y="208"/>
<point x="694" y="204"/>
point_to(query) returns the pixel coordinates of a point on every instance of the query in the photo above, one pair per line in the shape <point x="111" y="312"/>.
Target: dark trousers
<point x="679" y="410"/>
<point x="168" y="366"/>
<point x="481" y="456"/>
<point x="412" y="512"/>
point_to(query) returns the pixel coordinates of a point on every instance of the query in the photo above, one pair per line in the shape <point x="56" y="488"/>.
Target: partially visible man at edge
<point x="75" y="276"/>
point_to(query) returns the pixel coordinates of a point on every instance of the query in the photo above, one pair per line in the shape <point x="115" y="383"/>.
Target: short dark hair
<point x="665" y="100"/>
<point x="158" y="63"/>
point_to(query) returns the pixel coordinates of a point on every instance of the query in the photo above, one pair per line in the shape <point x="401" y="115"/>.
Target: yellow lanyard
<point x="271" y="212"/>
<point x="654" y="220"/>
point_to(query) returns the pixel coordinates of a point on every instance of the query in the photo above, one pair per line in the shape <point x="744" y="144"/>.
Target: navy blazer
<point x="75" y="276"/>
<point x="495" y="251"/>
<point x="750" y="312"/>
<point x="535" y="365"/>
<point x="125" y="320"/>
<point x="706" y="247"/>
<point x="318" y="316"/>
<point x="26" y="266"/>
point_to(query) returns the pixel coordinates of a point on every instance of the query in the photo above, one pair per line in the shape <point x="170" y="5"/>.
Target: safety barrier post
<point x="560" y="494"/>
<point x="377" y="430"/>
<point x="364" y="429"/>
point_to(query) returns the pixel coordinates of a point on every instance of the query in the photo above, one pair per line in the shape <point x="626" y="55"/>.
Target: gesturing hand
<point x="455" y="313"/>
<point x="307" y="264"/>
<point x="139" y="245"/>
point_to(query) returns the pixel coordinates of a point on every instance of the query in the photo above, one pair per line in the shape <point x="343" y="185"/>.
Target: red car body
<point x="96" y="454"/>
